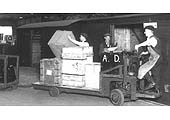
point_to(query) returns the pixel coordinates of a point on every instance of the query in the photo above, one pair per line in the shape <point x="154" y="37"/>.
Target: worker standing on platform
<point x="153" y="64"/>
<point x="104" y="51"/>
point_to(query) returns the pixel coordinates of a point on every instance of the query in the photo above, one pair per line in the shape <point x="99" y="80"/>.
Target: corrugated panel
<point x="49" y="24"/>
<point x="68" y="22"/>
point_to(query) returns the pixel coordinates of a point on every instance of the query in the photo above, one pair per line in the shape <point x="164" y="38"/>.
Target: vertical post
<point x="142" y="84"/>
<point x="31" y="48"/>
<point x="125" y="65"/>
<point x="112" y="32"/>
<point x="5" y="70"/>
<point x="133" y="87"/>
<point x="17" y="69"/>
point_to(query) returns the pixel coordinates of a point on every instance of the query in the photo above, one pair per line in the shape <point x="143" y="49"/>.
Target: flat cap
<point x="107" y="34"/>
<point x="149" y="28"/>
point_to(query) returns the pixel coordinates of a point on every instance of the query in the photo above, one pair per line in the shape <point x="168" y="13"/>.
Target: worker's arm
<point x="102" y="49"/>
<point x="112" y="49"/>
<point x="145" y="43"/>
<point x="144" y="53"/>
<point x="149" y="42"/>
<point x="73" y="41"/>
<point x="81" y="44"/>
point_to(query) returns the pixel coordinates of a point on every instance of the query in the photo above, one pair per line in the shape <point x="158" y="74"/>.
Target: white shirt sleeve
<point x="83" y="44"/>
<point x="152" y="41"/>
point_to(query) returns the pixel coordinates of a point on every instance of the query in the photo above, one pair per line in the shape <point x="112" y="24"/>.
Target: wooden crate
<point x="73" y="66"/>
<point x="50" y="70"/>
<point x="77" y="52"/>
<point x="50" y="63"/>
<point x="70" y="83"/>
<point x="68" y="77"/>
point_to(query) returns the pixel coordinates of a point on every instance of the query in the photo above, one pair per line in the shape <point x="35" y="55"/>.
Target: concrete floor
<point x="31" y="97"/>
<point x="28" y="96"/>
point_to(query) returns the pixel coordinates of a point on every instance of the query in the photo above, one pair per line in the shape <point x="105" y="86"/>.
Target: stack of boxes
<point x="50" y="69"/>
<point x="74" y="60"/>
<point x="72" y="67"/>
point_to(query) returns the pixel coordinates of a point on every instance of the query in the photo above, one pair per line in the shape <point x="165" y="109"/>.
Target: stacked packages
<point x="50" y="69"/>
<point x="74" y="60"/>
<point x="73" y="66"/>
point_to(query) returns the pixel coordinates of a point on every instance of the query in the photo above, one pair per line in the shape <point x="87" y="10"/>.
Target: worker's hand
<point x="144" y="53"/>
<point x="112" y="48"/>
<point x="136" y="47"/>
<point x="106" y="50"/>
<point x="69" y="37"/>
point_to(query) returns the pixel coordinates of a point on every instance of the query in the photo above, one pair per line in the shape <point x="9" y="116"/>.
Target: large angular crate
<point x="50" y="71"/>
<point x="60" y="40"/>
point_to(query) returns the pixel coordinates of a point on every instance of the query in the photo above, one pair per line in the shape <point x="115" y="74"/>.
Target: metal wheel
<point x="54" y="92"/>
<point x="117" y="97"/>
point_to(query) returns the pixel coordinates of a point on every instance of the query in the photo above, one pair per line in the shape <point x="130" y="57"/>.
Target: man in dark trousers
<point x="154" y="50"/>
<point x="104" y="51"/>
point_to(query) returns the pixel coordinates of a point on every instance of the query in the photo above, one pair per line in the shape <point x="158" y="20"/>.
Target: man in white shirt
<point x="154" y="49"/>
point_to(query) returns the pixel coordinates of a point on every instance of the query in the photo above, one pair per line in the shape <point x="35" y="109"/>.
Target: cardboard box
<point x="92" y="75"/>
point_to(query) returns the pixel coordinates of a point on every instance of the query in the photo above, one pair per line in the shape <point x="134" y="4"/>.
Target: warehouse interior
<point x="32" y="32"/>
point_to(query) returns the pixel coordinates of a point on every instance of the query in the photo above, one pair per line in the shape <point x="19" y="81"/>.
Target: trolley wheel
<point x="54" y="92"/>
<point x="117" y="97"/>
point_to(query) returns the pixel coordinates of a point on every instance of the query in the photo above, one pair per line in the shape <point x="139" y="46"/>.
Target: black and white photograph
<point x="84" y="59"/>
<point x="95" y="59"/>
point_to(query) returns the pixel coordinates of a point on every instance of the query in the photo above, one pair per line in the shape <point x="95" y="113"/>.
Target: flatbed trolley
<point x="118" y="87"/>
